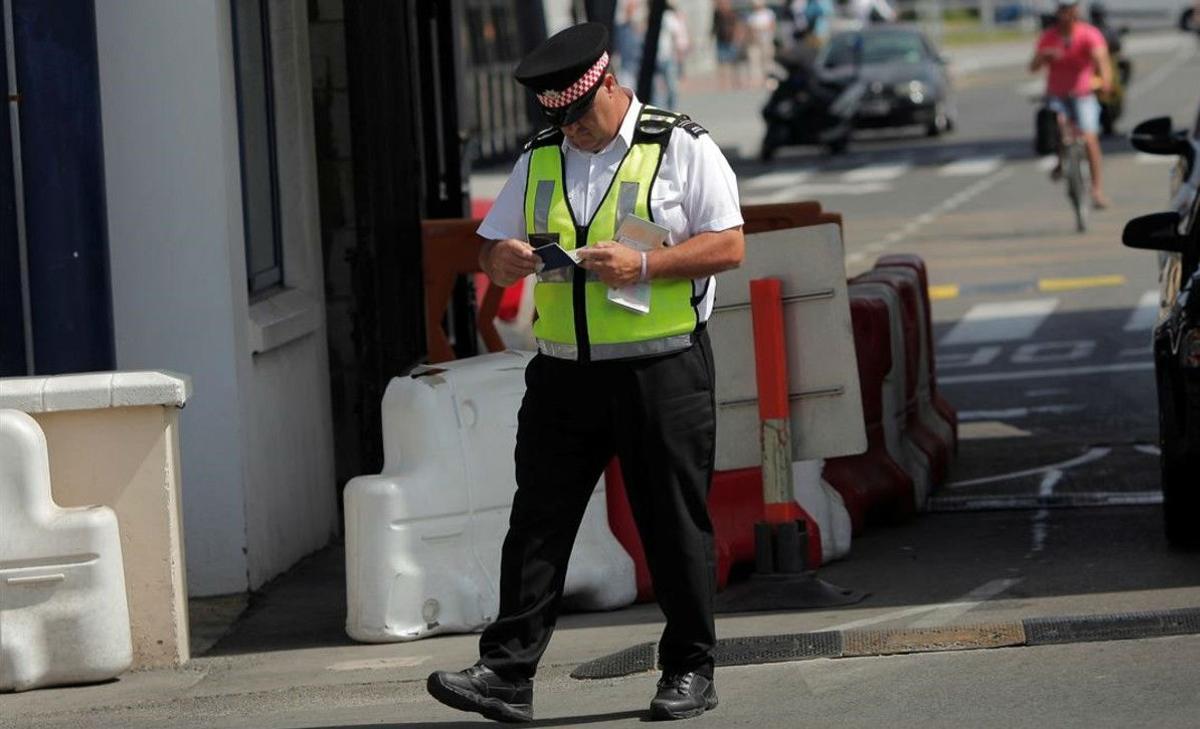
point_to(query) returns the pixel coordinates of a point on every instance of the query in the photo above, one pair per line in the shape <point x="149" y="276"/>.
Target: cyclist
<point x="1075" y="53"/>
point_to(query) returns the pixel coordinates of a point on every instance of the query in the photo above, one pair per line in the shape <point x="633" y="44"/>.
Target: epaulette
<point x="546" y="137"/>
<point x="691" y="127"/>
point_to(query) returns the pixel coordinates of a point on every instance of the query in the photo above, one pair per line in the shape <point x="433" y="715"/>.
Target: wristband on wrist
<point x="644" y="277"/>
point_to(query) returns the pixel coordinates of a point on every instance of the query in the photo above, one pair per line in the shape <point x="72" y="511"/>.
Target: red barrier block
<point x="874" y="487"/>
<point x="940" y="404"/>
<point x="920" y="434"/>
<point x="735" y="504"/>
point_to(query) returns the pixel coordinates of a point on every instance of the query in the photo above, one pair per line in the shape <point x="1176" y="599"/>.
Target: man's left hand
<point x="617" y="265"/>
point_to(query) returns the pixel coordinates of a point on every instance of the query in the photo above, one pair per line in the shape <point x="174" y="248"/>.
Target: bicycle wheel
<point x="1076" y="185"/>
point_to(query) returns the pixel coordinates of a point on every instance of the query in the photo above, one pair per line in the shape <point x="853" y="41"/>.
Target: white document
<point x="641" y="235"/>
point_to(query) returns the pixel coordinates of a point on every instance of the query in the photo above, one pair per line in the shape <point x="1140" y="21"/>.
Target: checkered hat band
<point x="559" y="99"/>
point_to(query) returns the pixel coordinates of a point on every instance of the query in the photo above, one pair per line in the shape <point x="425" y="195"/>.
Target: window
<point x="256" y="125"/>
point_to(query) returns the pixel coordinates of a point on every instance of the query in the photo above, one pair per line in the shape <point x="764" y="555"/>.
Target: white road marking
<point x="946" y="206"/>
<point x="1072" y="500"/>
<point x="968" y="601"/>
<point x="1155" y="159"/>
<point x="943" y="614"/>
<point x="1005" y="321"/>
<point x="1045" y="164"/>
<point x="1017" y="413"/>
<point x="973" y="167"/>
<point x="1040" y="528"/>
<point x="877" y="173"/>
<point x="1093" y="454"/>
<point x="1145" y="316"/>
<point x="1046" y="392"/>
<point x="773" y="180"/>
<point x="808" y="192"/>
<point x="1136" y="352"/>
<point x="1149" y="450"/>
<point x="1039" y="374"/>
<point x="1161" y="73"/>
<point x="856" y="257"/>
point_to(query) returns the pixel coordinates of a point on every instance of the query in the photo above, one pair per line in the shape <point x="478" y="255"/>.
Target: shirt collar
<point x="624" y="134"/>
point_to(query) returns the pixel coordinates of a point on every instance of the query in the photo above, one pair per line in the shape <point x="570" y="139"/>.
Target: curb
<point x="861" y="643"/>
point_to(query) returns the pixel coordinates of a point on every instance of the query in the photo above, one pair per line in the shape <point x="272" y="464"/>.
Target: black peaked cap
<point x="563" y="58"/>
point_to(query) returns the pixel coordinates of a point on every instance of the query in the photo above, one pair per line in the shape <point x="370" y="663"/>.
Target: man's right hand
<point x="508" y="261"/>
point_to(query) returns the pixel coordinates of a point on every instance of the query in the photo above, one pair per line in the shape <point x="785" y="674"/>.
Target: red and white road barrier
<point x="936" y="411"/>
<point x="936" y="450"/>
<point x="900" y="445"/>
<point x="873" y="485"/>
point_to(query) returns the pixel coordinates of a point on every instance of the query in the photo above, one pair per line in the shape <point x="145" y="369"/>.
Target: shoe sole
<point x="493" y="709"/>
<point x="661" y="714"/>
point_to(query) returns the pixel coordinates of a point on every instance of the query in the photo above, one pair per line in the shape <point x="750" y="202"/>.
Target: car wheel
<point x="839" y="145"/>
<point x="1180" y="461"/>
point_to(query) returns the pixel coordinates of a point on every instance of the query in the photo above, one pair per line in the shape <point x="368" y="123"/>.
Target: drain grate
<point x="777" y="648"/>
<point x="635" y="659"/>
<point x="1118" y="626"/>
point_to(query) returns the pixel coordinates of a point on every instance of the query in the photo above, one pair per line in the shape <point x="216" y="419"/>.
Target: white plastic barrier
<point x="423" y="538"/>
<point x="63" y="612"/>
<point x="902" y="449"/>
<point x="826" y="403"/>
<point x="927" y="413"/>
<point x="822" y="502"/>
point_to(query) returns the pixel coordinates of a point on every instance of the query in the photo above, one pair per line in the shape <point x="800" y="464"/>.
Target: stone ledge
<point x="94" y="391"/>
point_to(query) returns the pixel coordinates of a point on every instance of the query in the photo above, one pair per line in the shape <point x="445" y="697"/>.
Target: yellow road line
<point x="943" y="292"/>
<point x="1050" y="285"/>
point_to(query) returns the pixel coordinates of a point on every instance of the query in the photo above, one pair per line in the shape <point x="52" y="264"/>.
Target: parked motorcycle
<point x="1112" y="104"/>
<point x="808" y="109"/>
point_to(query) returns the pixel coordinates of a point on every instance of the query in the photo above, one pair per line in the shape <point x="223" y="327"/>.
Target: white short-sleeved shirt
<point x="695" y="191"/>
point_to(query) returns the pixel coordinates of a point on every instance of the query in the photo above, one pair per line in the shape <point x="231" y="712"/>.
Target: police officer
<point x="608" y="380"/>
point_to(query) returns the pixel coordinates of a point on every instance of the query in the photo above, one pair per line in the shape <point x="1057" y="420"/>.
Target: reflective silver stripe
<point x="626" y="202"/>
<point x="541" y="206"/>
<point x="620" y="350"/>
<point x="558" y="275"/>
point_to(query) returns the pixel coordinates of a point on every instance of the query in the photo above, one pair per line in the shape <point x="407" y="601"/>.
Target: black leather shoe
<point x="682" y="696"/>
<point x="481" y="690"/>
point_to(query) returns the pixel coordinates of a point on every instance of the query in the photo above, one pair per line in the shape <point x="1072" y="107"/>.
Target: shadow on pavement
<point x="555" y="721"/>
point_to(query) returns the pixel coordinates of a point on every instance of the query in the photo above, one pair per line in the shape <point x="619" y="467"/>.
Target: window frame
<point x="259" y="283"/>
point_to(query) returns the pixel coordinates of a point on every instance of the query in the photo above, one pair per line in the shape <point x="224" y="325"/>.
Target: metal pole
<point x="14" y="96"/>
<point x="645" y="84"/>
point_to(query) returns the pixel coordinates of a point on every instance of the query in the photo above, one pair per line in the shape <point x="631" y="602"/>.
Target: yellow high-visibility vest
<point x="575" y="320"/>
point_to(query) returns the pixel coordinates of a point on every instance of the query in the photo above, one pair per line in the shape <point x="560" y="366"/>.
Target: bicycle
<point x="1071" y="149"/>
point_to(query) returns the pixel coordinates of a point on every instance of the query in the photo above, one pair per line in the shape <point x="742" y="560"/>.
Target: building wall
<point x="256" y="438"/>
<point x="175" y="226"/>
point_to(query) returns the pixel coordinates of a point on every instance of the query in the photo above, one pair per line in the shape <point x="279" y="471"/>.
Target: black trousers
<point x="658" y="416"/>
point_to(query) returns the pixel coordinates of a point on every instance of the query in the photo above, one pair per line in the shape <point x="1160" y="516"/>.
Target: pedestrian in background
<point x="628" y="37"/>
<point x="760" y="35"/>
<point x="872" y="11"/>
<point x="673" y="47"/>
<point x="818" y="15"/>
<point x="727" y="29"/>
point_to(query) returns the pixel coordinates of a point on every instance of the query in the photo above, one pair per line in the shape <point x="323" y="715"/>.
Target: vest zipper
<point x="579" y="300"/>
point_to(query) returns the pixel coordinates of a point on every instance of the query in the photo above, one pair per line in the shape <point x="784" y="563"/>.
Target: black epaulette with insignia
<point x="550" y="136"/>
<point x="691" y="127"/>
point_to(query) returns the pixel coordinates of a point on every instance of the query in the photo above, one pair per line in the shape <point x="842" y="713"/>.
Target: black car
<point x="1176" y="235"/>
<point x="904" y="74"/>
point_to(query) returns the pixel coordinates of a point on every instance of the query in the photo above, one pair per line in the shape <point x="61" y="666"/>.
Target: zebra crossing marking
<point x="1145" y="316"/>
<point x="1005" y="321"/>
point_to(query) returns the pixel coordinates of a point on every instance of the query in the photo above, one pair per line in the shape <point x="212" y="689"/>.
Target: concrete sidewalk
<point x="288" y="657"/>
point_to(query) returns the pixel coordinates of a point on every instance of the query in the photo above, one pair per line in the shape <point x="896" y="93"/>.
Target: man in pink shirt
<point x="1075" y="54"/>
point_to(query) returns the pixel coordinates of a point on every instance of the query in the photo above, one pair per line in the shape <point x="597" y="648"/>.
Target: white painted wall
<point x="258" y="485"/>
<point x="174" y="206"/>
